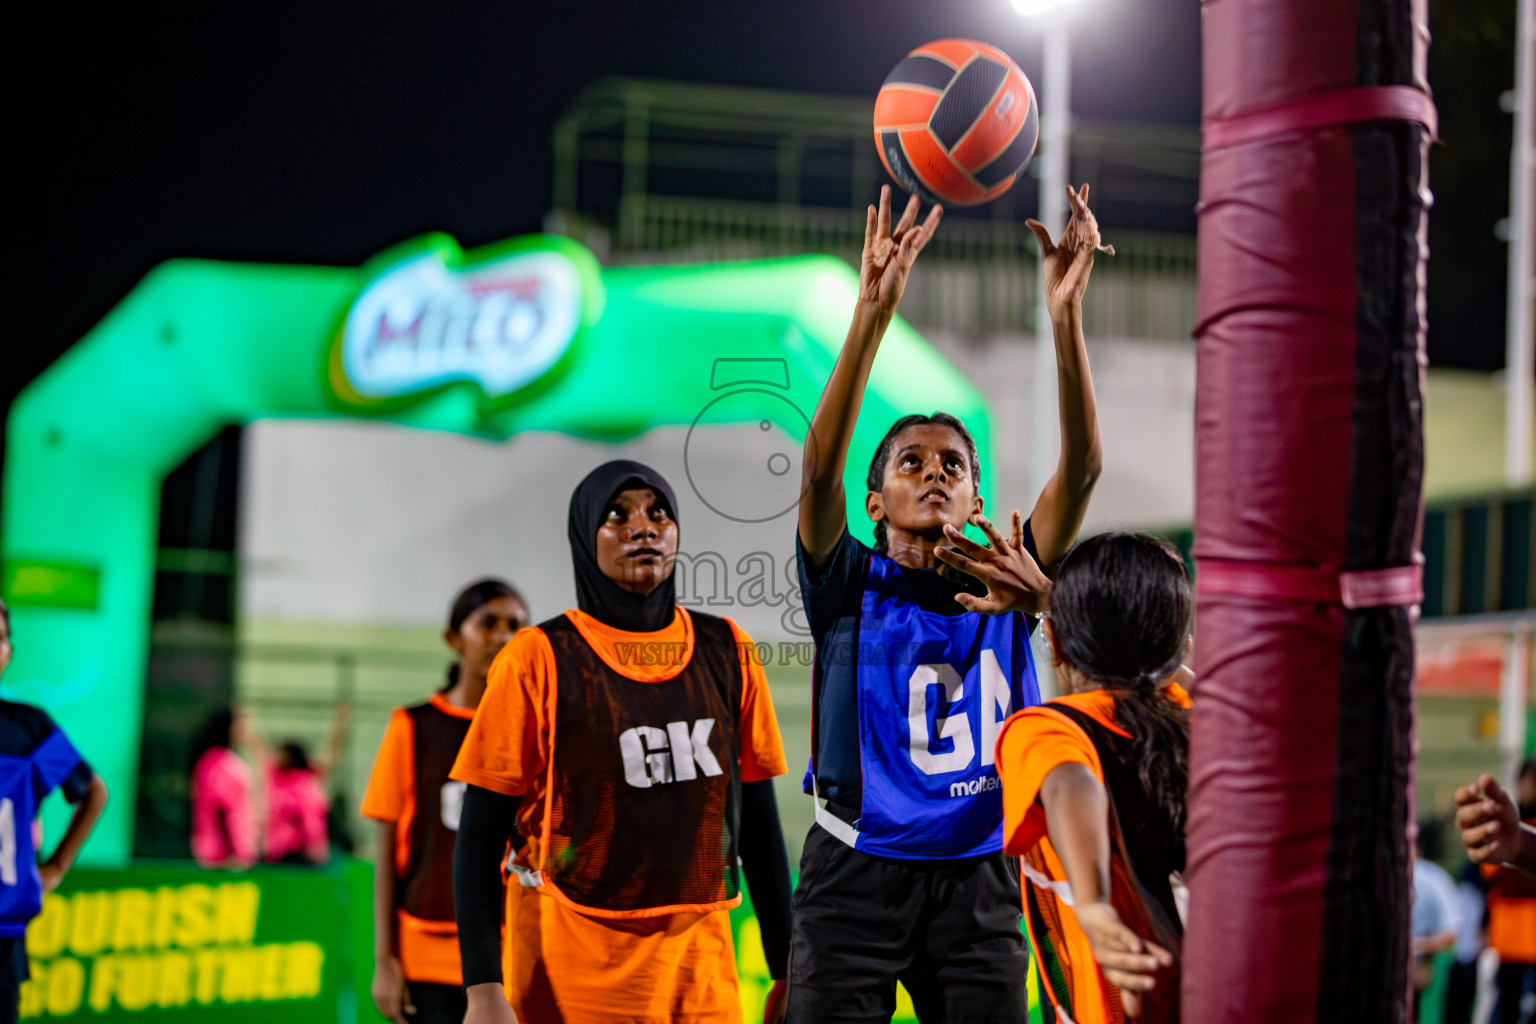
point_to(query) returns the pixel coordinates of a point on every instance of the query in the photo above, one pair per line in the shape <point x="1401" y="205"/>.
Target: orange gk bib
<point x="640" y="803"/>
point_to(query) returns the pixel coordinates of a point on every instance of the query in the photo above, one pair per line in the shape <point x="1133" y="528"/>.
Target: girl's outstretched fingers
<point x="1042" y="235"/>
<point x="962" y="543"/>
<point x="908" y="217"/>
<point x="984" y="524"/>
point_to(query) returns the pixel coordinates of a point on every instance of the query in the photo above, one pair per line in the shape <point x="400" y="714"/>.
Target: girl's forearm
<point x="80" y="825"/>
<point x="1082" y="452"/>
<point x="838" y="410"/>
<point x="1063" y="502"/>
<point x="384" y="892"/>
<point x="1077" y="821"/>
<point x="831" y="433"/>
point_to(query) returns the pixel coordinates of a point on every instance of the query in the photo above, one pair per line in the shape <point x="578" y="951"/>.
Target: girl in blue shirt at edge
<point x="35" y="758"/>
<point x="903" y="877"/>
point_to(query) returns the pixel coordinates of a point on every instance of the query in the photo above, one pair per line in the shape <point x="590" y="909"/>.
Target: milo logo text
<point x="426" y="323"/>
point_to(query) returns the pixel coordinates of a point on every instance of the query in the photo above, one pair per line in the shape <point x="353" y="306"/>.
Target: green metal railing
<point x="1478" y="555"/>
<point x="978" y="276"/>
<point x="653" y="172"/>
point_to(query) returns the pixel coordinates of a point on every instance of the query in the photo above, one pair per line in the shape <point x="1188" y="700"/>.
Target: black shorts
<point x="437" y="1004"/>
<point x="13" y="971"/>
<point x="948" y="930"/>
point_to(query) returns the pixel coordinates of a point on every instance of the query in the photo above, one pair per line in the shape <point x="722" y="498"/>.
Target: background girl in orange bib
<point x="416" y="945"/>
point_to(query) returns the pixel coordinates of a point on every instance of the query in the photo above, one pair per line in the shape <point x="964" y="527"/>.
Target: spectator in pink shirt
<point x="224" y="794"/>
<point x="297" y="802"/>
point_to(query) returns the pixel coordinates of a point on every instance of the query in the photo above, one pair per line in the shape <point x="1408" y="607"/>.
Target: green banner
<point x="176" y="943"/>
<point x="32" y="584"/>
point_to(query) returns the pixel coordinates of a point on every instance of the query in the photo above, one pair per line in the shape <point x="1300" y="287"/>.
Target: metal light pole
<point x="1053" y="17"/>
<point x="1513" y="700"/>
<point x="1520" y="337"/>
<point x="1055" y="137"/>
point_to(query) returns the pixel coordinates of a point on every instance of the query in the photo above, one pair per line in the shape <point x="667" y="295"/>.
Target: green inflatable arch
<point x="528" y="335"/>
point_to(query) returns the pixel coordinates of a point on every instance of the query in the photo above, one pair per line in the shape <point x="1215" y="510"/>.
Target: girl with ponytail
<point x="1094" y="782"/>
<point x="417" y="977"/>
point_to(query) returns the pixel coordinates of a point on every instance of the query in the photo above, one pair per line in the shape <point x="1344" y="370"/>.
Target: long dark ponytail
<point x="1121" y="612"/>
<point x="470" y="600"/>
<point x="875" y="479"/>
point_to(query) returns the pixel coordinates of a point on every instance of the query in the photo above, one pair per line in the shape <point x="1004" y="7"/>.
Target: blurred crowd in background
<point x="252" y="802"/>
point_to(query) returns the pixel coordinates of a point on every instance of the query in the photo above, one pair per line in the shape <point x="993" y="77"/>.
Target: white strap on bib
<point x="830" y="822"/>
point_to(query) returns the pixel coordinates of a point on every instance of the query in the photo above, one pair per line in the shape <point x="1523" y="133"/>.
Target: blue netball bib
<point x="934" y="690"/>
<point x="23" y="781"/>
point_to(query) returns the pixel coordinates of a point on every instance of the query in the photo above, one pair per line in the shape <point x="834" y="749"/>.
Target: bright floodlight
<point x="1034" y="8"/>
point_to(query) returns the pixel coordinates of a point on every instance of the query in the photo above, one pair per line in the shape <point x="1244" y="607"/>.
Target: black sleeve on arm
<point x="1032" y="622"/>
<point x="78" y="784"/>
<point x="37" y="725"/>
<point x="837" y="588"/>
<point x="765" y="863"/>
<point x="487" y="821"/>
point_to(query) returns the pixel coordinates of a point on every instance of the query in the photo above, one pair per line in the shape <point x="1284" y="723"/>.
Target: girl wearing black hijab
<point x="627" y="749"/>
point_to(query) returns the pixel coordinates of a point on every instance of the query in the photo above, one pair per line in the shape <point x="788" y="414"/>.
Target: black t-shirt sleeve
<point x="1029" y="541"/>
<point x="1031" y="624"/>
<point x="837" y="587"/>
<point x="22" y="728"/>
<point x="78" y="784"/>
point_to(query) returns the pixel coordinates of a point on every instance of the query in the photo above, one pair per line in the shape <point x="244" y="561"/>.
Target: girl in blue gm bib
<point x="922" y="652"/>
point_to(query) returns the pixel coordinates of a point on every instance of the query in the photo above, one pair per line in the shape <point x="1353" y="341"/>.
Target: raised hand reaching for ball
<point x="889" y="252"/>
<point x="1068" y="262"/>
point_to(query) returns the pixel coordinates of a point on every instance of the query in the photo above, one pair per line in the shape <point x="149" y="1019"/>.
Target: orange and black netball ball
<point x="956" y="122"/>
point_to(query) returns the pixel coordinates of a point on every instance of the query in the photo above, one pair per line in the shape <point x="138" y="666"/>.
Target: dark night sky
<point x="323" y="132"/>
